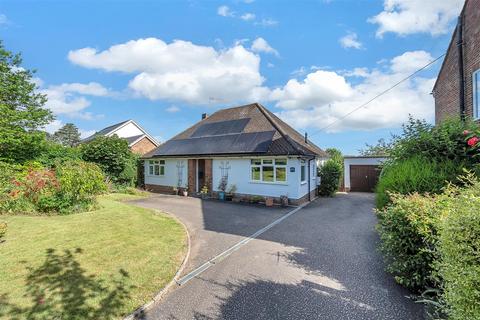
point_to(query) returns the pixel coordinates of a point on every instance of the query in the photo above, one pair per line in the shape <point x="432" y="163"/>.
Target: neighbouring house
<point x="457" y="89"/>
<point x="247" y="147"/>
<point x="139" y="141"/>
<point x="361" y="173"/>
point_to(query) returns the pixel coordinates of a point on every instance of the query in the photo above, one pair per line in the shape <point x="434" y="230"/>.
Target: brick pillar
<point x="192" y="175"/>
<point x="208" y="173"/>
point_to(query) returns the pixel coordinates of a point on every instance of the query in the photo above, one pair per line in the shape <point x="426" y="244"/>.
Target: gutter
<point x="460" y="66"/>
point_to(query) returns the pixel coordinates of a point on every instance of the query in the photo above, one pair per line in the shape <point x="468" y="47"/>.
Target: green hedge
<point x="407" y="228"/>
<point x="459" y="250"/>
<point x="416" y="174"/>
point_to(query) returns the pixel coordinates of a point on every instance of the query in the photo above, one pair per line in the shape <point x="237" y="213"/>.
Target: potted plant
<point x="185" y="192"/>
<point x="204" y="192"/>
<point x="269" y="201"/>
<point x="222" y="187"/>
<point x="284" y="201"/>
<point x="231" y="192"/>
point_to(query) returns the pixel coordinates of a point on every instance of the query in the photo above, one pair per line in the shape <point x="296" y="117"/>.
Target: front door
<point x="200" y="174"/>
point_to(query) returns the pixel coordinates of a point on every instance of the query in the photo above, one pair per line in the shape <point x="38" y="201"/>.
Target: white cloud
<point x="56" y="124"/>
<point x="68" y="98"/>
<point x="181" y="70"/>
<point x="261" y="45"/>
<point x="3" y="19"/>
<point x="267" y="22"/>
<point x="351" y="41"/>
<point x="172" y="109"/>
<point x="247" y="16"/>
<point x="326" y="96"/>
<point x="416" y="16"/>
<point x="225" y="11"/>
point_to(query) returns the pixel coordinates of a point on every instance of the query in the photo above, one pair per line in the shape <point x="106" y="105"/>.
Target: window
<point x="269" y="170"/>
<point x="156" y="167"/>
<point x="303" y="171"/>
<point x="476" y="94"/>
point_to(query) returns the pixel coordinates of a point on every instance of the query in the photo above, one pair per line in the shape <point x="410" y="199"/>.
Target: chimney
<point x="204" y="116"/>
<point x="306" y="137"/>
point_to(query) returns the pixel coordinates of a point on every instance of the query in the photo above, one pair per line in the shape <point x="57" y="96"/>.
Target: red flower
<point x="465" y="132"/>
<point x="473" y="141"/>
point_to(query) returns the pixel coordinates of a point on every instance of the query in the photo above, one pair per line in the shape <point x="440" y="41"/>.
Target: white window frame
<point x="153" y="164"/>
<point x="303" y="169"/>
<point x="476" y="94"/>
<point x="273" y="164"/>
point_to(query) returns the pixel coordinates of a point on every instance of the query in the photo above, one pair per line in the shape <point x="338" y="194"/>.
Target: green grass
<point x="93" y="265"/>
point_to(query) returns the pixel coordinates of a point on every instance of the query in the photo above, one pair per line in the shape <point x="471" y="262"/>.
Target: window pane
<point x="267" y="161"/>
<point x="302" y="173"/>
<point x="256" y="161"/>
<point x="150" y="171"/>
<point x="281" y="162"/>
<point x="162" y="161"/>
<point x="256" y="173"/>
<point x="157" y="170"/>
<point x="156" y="161"/>
<point x="476" y="93"/>
<point x="162" y="170"/>
<point x="267" y="173"/>
<point x="281" y="174"/>
<point x="151" y="161"/>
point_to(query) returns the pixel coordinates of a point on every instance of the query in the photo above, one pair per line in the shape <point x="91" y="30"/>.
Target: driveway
<point x="319" y="263"/>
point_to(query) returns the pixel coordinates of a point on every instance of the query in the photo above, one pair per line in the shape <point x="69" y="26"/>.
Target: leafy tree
<point x="335" y="155"/>
<point x="381" y="148"/>
<point x="22" y="111"/>
<point x="113" y="156"/>
<point x="68" y="135"/>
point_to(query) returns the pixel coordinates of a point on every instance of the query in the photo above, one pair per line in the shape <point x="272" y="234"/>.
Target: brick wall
<point x="192" y="177"/>
<point x="446" y="93"/>
<point x="143" y="146"/>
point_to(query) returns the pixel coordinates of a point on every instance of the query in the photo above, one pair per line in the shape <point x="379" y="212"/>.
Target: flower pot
<point x="269" y="202"/>
<point x="204" y="196"/>
<point x="185" y="193"/>
<point x="221" y="195"/>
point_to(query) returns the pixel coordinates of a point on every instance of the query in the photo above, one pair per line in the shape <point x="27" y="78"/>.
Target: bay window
<point x="156" y="167"/>
<point x="268" y="170"/>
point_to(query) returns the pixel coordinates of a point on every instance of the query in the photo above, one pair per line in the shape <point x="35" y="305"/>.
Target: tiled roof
<point x="104" y="131"/>
<point x="249" y="129"/>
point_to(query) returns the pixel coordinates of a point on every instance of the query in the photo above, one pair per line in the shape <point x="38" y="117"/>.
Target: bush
<point x="459" y="250"/>
<point x="55" y="154"/>
<point x="415" y="174"/>
<point x="407" y="229"/>
<point x="114" y="158"/>
<point x="3" y="229"/>
<point x="330" y="174"/>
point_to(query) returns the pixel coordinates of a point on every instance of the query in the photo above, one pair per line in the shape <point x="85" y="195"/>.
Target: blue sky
<point x="164" y="63"/>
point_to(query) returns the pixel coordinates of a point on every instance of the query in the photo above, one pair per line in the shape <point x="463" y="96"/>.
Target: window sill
<point x="303" y="182"/>
<point x="266" y="182"/>
<point x="155" y="176"/>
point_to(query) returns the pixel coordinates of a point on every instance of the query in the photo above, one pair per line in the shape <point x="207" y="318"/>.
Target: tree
<point x="22" y="111"/>
<point x="68" y="135"/>
<point x="335" y="155"/>
<point x="382" y="148"/>
<point x="113" y="156"/>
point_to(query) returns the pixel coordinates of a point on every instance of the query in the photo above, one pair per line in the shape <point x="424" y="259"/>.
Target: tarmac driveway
<point x="319" y="263"/>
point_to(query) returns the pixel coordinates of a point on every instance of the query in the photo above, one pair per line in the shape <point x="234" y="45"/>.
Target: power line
<point x="379" y="95"/>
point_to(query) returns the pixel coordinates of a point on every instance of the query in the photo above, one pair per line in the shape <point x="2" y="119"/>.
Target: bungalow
<point x="139" y="141"/>
<point x="245" y="148"/>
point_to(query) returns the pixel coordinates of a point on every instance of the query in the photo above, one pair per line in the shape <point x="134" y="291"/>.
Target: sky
<point x="164" y="63"/>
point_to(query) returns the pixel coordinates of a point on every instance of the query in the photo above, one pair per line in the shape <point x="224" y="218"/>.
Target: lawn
<point x="94" y="265"/>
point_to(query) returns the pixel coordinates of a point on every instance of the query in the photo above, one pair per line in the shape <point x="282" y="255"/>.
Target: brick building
<point x="457" y="89"/>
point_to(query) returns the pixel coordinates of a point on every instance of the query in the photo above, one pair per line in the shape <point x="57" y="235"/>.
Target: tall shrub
<point x="330" y="174"/>
<point x="113" y="156"/>
<point x="415" y="174"/>
<point x="459" y="250"/>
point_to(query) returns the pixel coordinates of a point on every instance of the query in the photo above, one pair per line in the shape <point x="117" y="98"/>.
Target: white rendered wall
<point x="171" y="173"/>
<point x="358" y="161"/>
<point x="129" y="130"/>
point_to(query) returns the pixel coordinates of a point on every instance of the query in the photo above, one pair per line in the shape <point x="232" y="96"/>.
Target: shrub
<point x="3" y="229"/>
<point x="80" y="182"/>
<point x="330" y="174"/>
<point x="459" y="249"/>
<point x="415" y="174"/>
<point x="114" y="158"/>
<point x="55" y="154"/>
<point x="407" y="229"/>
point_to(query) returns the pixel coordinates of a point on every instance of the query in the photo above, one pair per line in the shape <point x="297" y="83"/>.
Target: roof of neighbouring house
<point x="250" y="129"/>
<point x="110" y="130"/>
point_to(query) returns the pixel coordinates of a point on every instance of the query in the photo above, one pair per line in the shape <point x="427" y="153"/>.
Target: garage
<point x="361" y="173"/>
